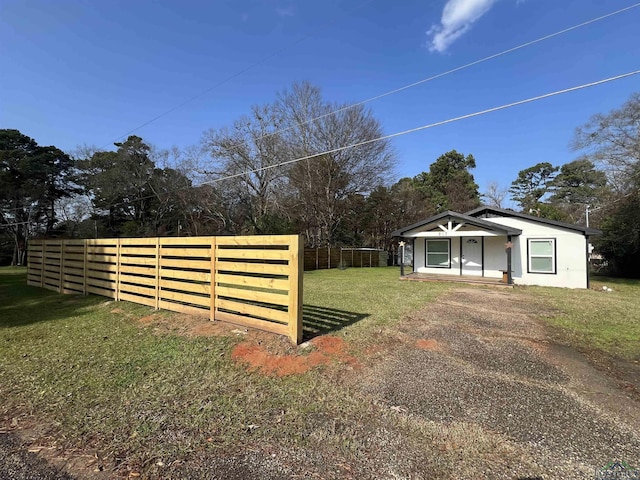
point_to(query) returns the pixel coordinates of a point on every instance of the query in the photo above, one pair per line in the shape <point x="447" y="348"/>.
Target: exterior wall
<point x="495" y="258"/>
<point x="570" y="254"/>
<point x="420" y="257"/>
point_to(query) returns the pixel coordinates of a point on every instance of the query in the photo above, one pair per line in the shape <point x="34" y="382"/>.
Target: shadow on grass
<point x="633" y="282"/>
<point x="21" y="304"/>
<point x="321" y="320"/>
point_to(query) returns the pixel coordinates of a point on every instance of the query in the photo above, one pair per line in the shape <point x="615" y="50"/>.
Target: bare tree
<point x="323" y="183"/>
<point x="495" y="195"/>
<point x="613" y="141"/>
<point x="248" y="152"/>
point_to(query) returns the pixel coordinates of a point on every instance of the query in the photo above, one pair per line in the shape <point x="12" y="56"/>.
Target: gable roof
<point x="501" y="212"/>
<point x="478" y="222"/>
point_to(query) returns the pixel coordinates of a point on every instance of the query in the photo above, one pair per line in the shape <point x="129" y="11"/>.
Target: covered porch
<point x="456" y="247"/>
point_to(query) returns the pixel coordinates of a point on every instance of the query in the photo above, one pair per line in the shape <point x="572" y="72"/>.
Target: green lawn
<point x="87" y="372"/>
<point x="92" y="377"/>
<point x="372" y="296"/>
<point x="595" y="319"/>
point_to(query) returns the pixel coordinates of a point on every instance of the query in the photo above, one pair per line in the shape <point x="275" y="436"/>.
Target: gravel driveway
<point x="479" y="357"/>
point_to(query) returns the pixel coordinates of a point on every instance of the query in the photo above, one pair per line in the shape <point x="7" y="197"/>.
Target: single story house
<point x="497" y="243"/>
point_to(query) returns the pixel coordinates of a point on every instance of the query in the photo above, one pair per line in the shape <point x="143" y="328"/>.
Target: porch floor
<point x="430" y="277"/>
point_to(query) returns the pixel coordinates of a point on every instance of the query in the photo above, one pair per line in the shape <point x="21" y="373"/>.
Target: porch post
<point x="586" y="239"/>
<point x="401" y="249"/>
<point x="509" y="275"/>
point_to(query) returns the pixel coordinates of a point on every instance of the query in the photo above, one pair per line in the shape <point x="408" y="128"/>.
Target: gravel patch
<point x="17" y="463"/>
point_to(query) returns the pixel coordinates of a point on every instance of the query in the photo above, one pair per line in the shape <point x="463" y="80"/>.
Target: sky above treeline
<point x="86" y="72"/>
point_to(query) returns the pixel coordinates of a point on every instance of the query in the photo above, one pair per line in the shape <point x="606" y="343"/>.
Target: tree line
<point x="282" y="168"/>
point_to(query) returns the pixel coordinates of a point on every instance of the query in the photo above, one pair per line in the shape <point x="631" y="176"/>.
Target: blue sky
<point x="86" y="72"/>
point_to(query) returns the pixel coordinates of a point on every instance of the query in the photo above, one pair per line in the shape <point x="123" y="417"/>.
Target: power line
<point x="391" y="92"/>
<point x="393" y="135"/>
<point x="443" y="74"/>
<point x="431" y="125"/>
<point x="262" y="61"/>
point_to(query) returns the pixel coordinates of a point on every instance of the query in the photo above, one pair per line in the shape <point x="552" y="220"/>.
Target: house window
<point x="437" y="253"/>
<point x="542" y="255"/>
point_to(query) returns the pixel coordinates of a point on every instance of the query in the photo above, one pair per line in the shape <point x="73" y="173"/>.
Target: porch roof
<point x="460" y="218"/>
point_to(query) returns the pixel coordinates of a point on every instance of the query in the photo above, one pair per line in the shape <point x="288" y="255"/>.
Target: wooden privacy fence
<point x="335" y="257"/>
<point x="255" y="281"/>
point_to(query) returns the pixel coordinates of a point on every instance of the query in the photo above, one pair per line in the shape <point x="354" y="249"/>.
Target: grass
<point x="362" y="299"/>
<point x="84" y="372"/>
<point x="91" y="376"/>
<point x="595" y="319"/>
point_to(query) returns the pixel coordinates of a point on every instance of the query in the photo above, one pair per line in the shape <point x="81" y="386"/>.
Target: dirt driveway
<point x="479" y="359"/>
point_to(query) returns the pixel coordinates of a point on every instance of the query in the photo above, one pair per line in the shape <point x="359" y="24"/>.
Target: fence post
<point x="296" y="272"/>
<point x="157" y="273"/>
<point x="317" y="258"/>
<point x="212" y="281"/>
<point x="118" y="271"/>
<point x="61" y="286"/>
<point x="44" y="254"/>
<point x="329" y="257"/>
<point x="85" y="269"/>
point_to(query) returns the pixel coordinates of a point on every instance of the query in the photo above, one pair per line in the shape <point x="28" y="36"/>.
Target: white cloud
<point x="285" y="11"/>
<point x="457" y="18"/>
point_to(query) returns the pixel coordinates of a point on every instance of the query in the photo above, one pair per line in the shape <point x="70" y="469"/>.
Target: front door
<point x="471" y="255"/>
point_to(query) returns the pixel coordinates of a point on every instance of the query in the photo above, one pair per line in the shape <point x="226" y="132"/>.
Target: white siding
<point x="495" y="257"/>
<point x="570" y="256"/>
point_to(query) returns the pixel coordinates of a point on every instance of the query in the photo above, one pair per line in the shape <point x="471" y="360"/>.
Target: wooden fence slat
<point x="137" y="242"/>
<point x="103" y="250"/>
<point x="270" y="240"/>
<point x="148" y="250"/>
<point x="126" y="288"/>
<point x="92" y="282"/>
<point x="144" y="270"/>
<point x="275" y="283"/>
<point x="127" y="297"/>
<point x="104" y="292"/>
<point x="185" y="275"/>
<point x="137" y="261"/>
<point x="185" y="252"/>
<point x="184" y="297"/>
<point x="178" y="307"/>
<point x="125" y="277"/>
<point x="268" y="313"/>
<point x="253" y="295"/>
<point x="204" y="241"/>
<point x="100" y="275"/>
<point x="256" y="254"/>
<point x="196" y="264"/>
<point x="203" y="288"/>
<point x="252" y="322"/>
<point x="265" y="268"/>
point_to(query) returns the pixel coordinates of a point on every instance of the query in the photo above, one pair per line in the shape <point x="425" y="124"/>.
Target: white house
<point x="495" y="243"/>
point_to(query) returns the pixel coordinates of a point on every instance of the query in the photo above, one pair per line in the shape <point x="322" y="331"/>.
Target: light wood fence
<point x="254" y="281"/>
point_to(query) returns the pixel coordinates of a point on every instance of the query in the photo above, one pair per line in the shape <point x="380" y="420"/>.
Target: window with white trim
<point x="542" y="255"/>
<point x="438" y="253"/>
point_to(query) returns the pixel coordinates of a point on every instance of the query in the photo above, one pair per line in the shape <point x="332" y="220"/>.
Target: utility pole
<point x="586" y="215"/>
